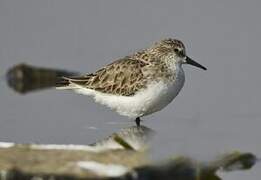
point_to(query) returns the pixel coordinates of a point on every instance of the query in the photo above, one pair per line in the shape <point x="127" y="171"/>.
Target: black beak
<point x="194" y="63"/>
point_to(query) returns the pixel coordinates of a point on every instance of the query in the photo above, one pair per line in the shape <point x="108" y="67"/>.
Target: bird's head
<point x="173" y="50"/>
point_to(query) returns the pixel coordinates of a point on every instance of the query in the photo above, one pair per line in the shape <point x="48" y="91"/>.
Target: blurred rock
<point x="24" y="78"/>
<point x="107" y="160"/>
<point x="104" y="159"/>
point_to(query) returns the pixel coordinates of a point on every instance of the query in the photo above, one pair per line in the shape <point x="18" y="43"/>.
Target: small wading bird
<point x="139" y="84"/>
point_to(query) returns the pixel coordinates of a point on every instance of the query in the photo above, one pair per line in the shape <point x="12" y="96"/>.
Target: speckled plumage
<point x="128" y="75"/>
<point x="123" y="77"/>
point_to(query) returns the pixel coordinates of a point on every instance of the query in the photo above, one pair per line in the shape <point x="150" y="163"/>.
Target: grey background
<point x="217" y="111"/>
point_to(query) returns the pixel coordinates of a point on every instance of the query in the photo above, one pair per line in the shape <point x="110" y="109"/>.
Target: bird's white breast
<point x="156" y="96"/>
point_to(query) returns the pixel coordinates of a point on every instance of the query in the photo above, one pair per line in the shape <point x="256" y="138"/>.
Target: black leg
<point x="137" y="120"/>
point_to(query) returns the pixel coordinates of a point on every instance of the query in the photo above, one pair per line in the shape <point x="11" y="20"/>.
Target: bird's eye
<point x="176" y="50"/>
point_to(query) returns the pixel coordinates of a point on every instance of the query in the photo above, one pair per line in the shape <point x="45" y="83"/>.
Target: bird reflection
<point x="133" y="137"/>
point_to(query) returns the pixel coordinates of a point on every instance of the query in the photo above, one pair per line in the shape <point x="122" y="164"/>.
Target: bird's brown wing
<point x="122" y="77"/>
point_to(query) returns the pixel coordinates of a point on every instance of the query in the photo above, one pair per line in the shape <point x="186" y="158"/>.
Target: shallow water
<point x="189" y="138"/>
<point x="217" y="111"/>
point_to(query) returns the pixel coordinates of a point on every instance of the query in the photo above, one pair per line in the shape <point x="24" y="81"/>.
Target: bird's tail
<point x="62" y="83"/>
